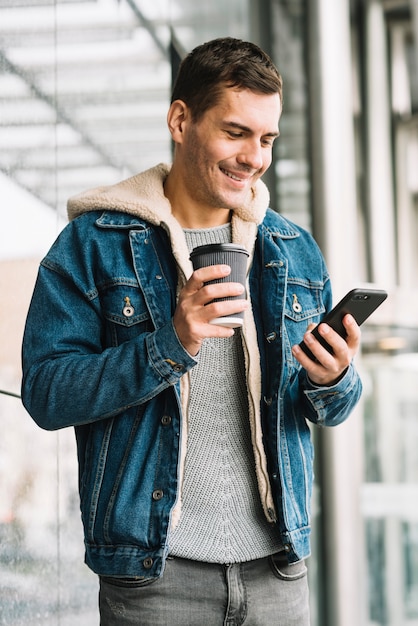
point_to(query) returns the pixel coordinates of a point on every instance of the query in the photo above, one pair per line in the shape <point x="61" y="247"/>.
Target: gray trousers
<point x="264" y="592"/>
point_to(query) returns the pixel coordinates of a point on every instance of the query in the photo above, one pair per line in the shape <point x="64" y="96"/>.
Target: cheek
<point x="201" y="152"/>
<point x="218" y="152"/>
<point x="267" y="160"/>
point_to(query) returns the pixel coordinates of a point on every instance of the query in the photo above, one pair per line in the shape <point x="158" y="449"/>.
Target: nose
<point x="254" y="156"/>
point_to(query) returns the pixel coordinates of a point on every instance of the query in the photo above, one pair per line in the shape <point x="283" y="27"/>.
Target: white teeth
<point x="231" y="176"/>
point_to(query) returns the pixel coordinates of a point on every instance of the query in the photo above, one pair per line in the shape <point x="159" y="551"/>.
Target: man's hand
<point x="330" y="367"/>
<point x="193" y="313"/>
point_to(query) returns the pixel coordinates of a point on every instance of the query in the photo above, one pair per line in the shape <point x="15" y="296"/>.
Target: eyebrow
<point x="248" y="130"/>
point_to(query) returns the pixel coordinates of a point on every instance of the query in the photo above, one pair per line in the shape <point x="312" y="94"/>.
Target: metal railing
<point x="9" y="393"/>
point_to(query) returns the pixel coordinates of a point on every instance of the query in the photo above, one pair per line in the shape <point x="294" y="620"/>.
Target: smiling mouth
<point x="232" y="176"/>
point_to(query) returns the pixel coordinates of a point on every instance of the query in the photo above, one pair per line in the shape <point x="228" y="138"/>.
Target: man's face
<point x="223" y="154"/>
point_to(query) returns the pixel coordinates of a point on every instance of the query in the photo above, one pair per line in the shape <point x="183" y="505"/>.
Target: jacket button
<point x="148" y="562"/>
<point x="166" y="420"/>
<point x="177" y="367"/>
<point x="271" y="337"/>
<point x="157" y="494"/>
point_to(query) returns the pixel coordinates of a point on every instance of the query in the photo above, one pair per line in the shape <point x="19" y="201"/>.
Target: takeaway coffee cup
<point x="230" y="254"/>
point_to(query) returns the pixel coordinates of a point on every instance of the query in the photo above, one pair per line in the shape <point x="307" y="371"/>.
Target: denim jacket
<point x="100" y="353"/>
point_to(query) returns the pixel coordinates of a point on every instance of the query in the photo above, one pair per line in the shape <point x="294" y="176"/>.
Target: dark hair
<point x="224" y="62"/>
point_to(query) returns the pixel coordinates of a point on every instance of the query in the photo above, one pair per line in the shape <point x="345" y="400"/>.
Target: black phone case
<point x="360" y="303"/>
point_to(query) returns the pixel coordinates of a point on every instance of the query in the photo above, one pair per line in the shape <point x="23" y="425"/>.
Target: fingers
<point x="204" y="275"/>
<point x="204" y="293"/>
<point x="329" y="365"/>
<point x="342" y="348"/>
<point x="353" y="333"/>
<point x="196" y="307"/>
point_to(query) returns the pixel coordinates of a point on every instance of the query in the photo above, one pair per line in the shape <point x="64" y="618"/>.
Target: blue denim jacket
<point x="114" y="374"/>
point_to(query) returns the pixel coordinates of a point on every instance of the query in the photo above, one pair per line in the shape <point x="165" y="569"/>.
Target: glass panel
<point x="42" y="576"/>
<point x="292" y="165"/>
<point x="84" y="90"/>
<point x="195" y="22"/>
<point x="376" y="567"/>
<point x="410" y="551"/>
<point x="390" y="492"/>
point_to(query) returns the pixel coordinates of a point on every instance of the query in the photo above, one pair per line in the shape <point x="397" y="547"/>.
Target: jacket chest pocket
<point x="303" y="306"/>
<point x="125" y="312"/>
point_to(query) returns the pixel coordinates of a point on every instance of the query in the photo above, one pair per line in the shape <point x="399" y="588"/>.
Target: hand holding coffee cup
<point x="236" y="257"/>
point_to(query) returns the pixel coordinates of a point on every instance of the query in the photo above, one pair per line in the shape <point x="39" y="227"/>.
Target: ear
<point x="177" y="117"/>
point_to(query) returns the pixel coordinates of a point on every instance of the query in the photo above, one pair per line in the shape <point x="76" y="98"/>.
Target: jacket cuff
<point x="340" y="385"/>
<point x="335" y="382"/>
<point x="332" y="405"/>
<point x="167" y="355"/>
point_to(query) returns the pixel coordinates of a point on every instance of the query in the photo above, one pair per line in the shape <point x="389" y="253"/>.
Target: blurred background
<point x="84" y="90"/>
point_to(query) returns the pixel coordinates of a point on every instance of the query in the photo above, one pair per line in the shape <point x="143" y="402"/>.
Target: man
<point x="194" y="450"/>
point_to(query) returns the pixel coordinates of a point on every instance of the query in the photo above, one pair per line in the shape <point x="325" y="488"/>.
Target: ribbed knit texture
<point x="222" y="520"/>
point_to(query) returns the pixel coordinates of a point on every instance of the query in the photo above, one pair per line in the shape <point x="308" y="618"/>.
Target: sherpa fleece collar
<point x="143" y="196"/>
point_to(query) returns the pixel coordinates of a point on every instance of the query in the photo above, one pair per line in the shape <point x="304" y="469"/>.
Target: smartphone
<point x="360" y="303"/>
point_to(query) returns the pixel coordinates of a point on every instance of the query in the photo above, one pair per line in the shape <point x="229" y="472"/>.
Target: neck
<point x="189" y="213"/>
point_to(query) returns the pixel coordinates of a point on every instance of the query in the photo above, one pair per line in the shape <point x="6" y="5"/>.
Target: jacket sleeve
<point x="69" y="377"/>
<point x="330" y="406"/>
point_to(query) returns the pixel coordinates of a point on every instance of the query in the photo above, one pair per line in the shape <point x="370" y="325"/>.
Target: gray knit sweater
<point x="222" y="520"/>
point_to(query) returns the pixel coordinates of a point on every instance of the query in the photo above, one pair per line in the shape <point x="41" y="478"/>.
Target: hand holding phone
<point x="360" y="303"/>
